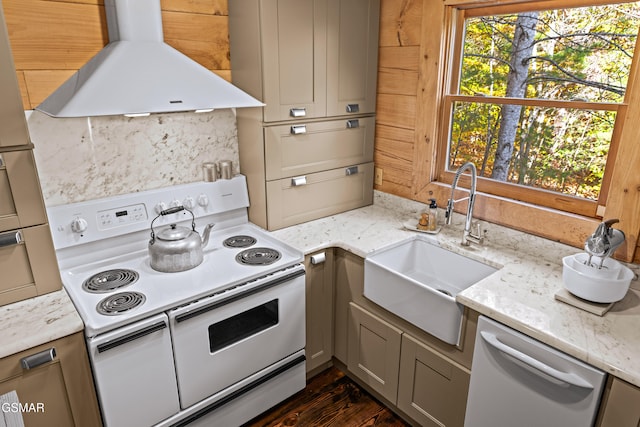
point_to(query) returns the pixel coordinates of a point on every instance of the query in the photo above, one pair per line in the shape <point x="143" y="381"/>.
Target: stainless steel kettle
<point x="176" y="248"/>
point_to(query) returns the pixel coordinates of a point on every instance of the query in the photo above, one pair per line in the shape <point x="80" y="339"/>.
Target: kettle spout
<point x="206" y="233"/>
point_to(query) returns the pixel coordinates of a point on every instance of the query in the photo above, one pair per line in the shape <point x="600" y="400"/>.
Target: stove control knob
<point x="189" y="203"/>
<point x="174" y="203"/>
<point x="160" y="207"/>
<point x="203" y="200"/>
<point x="79" y="225"/>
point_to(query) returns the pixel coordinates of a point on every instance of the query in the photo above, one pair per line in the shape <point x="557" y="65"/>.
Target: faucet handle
<point x="478" y="236"/>
<point x="448" y="213"/>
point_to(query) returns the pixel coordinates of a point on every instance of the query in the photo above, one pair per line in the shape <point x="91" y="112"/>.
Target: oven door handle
<point x="212" y="306"/>
<point x="131" y="337"/>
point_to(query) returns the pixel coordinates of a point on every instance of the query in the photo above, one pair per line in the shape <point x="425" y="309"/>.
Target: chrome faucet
<point x="467" y="236"/>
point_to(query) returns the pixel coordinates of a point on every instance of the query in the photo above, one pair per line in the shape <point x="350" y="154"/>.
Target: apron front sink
<point x="418" y="281"/>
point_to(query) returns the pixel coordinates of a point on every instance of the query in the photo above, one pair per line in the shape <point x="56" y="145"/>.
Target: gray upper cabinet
<point x="352" y="56"/>
<point x="314" y="64"/>
<point x="306" y="59"/>
<point x="294" y="46"/>
<point x="13" y="125"/>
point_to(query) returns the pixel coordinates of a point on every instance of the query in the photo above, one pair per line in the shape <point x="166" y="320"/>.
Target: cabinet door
<point x="349" y="275"/>
<point x="621" y="408"/>
<point x="319" y="308"/>
<point x="21" y="203"/>
<point x="57" y="389"/>
<point x="294" y="59"/>
<point x="13" y="125"/>
<point x="432" y="389"/>
<point x="352" y="56"/>
<point x="374" y="352"/>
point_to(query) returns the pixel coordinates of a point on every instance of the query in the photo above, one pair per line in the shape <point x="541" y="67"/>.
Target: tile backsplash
<point x="87" y="158"/>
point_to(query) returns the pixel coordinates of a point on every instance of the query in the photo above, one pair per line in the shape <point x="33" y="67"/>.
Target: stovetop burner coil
<point x="109" y="280"/>
<point x="241" y="241"/>
<point x="258" y="256"/>
<point x="119" y="303"/>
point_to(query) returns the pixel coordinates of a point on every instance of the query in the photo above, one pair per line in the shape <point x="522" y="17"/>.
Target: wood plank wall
<point x="53" y="38"/>
<point x="399" y="61"/>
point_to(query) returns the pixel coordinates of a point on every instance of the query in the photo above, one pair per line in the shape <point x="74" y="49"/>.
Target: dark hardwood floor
<point x="330" y="399"/>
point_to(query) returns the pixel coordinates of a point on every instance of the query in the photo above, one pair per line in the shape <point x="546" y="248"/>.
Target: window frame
<point x="454" y="39"/>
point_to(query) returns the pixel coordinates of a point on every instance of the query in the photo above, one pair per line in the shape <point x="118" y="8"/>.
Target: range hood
<point x="136" y="73"/>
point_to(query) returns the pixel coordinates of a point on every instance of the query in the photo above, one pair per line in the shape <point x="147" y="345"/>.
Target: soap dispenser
<point x="433" y="215"/>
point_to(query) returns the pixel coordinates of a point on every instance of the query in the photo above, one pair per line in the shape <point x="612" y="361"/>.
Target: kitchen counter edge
<point x="35" y="321"/>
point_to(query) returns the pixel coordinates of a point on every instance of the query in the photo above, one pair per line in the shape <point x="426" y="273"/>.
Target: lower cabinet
<point x="319" y="308"/>
<point x="52" y="383"/>
<point x="374" y="351"/>
<point x="621" y="409"/>
<point x="432" y="390"/>
<point x="422" y="383"/>
<point x="420" y="377"/>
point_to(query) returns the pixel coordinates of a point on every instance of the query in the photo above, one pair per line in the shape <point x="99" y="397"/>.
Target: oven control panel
<point x="121" y="216"/>
<point x="98" y="219"/>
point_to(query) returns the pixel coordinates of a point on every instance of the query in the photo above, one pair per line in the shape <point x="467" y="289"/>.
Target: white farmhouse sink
<point x="418" y="281"/>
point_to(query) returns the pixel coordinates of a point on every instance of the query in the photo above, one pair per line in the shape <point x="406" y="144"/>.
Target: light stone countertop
<point x="35" y="321"/>
<point x="520" y="295"/>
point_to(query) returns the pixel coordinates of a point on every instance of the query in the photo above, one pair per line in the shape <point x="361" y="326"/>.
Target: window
<point x="536" y="99"/>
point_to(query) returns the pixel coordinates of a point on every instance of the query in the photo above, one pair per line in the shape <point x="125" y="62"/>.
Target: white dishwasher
<point x="518" y="381"/>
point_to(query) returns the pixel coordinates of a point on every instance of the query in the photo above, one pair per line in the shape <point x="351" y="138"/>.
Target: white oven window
<point x="236" y="328"/>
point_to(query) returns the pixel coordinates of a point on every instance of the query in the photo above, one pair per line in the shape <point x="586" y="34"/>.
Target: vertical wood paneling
<point x="427" y="97"/>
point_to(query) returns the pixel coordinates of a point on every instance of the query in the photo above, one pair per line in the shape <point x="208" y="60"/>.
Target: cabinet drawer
<point x="27" y="267"/>
<point x="57" y="387"/>
<point x="42" y="391"/>
<point x="298" y="149"/>
<point x="21" y="203"/>
<point x="317" y="195"/>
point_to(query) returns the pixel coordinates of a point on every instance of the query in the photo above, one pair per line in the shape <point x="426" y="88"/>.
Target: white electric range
<point x="213" y="345"/>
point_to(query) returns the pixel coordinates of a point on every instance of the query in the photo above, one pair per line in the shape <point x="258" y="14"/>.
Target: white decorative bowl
<point x="590" y="284"/>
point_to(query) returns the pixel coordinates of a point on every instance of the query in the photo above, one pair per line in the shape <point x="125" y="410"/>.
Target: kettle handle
<point x="173" y="210"/>
<point x="170" y="211"/>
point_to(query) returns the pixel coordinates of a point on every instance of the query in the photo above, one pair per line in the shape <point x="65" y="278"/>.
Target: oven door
<point x="134" y="374"/>
<point x="222" y="339"/>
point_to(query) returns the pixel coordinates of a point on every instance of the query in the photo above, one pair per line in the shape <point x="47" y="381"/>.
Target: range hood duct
<point x="136" y="73"/>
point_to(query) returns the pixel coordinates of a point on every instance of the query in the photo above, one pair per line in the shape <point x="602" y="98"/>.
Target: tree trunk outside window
<point x="522" y="47"/>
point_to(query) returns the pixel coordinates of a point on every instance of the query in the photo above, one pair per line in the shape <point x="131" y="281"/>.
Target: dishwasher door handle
<point x="565" y="377"/>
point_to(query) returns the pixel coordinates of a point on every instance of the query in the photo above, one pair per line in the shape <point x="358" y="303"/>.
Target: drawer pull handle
<point x="537" y="365"/>
<point x="298" y="181"/>
<point x="35" y="360"/>
<point x="353" y="108"/>
<point x="352" y="124"/>
<point x="11" y="238"/>
<point x="298" y="129"/>
<point x="353" y="170"/>
<point x="318" y="258"/>
<point x="298" y="112"/>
